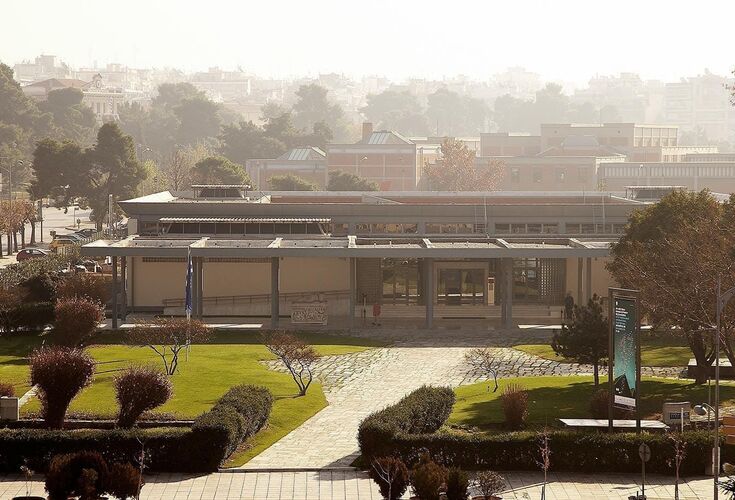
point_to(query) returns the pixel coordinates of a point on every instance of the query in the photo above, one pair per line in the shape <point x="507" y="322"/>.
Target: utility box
<point x="9" y="409"/>
<point x="674" y="411"/>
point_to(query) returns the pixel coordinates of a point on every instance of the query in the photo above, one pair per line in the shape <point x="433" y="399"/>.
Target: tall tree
<point x="345" y="181"/>
<point x="396" y="110"/>
<point x="672" y="252"/>
<point x="585" y="338"/>
<point x="246" y="141"/>
<point x="61" y="170"/>
<point x="313" y="106"/>
<point x="455" y="170"/>
<point x="72" y="119"/>
<point x="198" y="120"/>
<point x="218" y="170"/>
<point x="452" y="114"/>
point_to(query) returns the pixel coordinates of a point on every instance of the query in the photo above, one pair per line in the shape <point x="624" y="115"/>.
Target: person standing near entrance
<point x="568" y="306"/>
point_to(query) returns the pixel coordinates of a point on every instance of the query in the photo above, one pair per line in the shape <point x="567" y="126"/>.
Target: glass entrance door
<point x="461" y="286"/>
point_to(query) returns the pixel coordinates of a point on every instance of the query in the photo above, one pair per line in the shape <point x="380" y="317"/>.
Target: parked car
<point x="31" y="253"/>
<point x="61" y="240"/>
<point x="87" y="232"/>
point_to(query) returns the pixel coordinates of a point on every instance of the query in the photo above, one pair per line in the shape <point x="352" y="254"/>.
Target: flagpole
<point x="188" y="294"/>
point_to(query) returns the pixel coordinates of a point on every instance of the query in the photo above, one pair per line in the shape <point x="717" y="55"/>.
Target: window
<point x="537" y="177"/>
<point x="551" y="228"/>
<point x="515" y="174"/>
<point x="561" y="174"/>
<point x="433" y="228"/>
<point x="400" y="281"/>
<point x="533" y="228"/>
<point x="502" y="228"/>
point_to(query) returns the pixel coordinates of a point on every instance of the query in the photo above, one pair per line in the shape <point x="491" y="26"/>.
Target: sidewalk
<point x="341" y="485"/>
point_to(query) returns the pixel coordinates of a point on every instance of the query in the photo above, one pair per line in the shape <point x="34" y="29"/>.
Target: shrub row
<point x="421" y="412"/>
<point x="239" y="414"/>
<point x="31" y="316"/>
<point x="408" y="428"/>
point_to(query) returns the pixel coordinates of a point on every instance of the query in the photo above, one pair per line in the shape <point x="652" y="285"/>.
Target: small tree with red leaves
<point x="167" y="337"/>
<point x="76" y="319"/>
<point x="60" y="374"/>
<point x="140" y="389"/>
<point x="297" y="356"/>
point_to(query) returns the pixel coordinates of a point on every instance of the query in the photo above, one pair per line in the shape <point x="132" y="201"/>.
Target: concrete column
<point x="275" y="293"/>
<point x="352" y="264"/>
<point x="200" y="285"/>
<point x="114" y="293"/>
<point x="429" y="291"/>
<point x="588" y="276"/>
<point x="131" y="282"/>
<point x="507" y="311"/>
<point x="124" y="281"/>
<point x="580" y="272"/>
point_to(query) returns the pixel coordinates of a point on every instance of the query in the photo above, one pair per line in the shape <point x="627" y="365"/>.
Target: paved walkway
<point x="350" y="485"/>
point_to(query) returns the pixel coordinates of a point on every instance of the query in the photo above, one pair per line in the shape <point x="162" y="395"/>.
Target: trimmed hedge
<point x="409" y="427"/>
<point x="28" y="316"/>
<point x="239" y="414"/>
<point x="421" y="412"/>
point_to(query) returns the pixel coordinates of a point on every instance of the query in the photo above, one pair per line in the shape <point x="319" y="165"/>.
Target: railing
<point x="264" y="297"/>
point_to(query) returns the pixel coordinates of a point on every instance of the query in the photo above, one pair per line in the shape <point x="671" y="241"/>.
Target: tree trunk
<point x="33" y="232"/>
<point x="704" y="361"/>
<point x="10" y="245"/>
<point x="1" y="245"/>
<point x="15" y="241"/>
<point x="596" y="366"/>
<point x="23" y="236"/>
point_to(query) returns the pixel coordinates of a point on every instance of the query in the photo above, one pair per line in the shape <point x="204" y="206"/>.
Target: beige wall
<point x="601" y="278"/>
<point x="154" y="281"/>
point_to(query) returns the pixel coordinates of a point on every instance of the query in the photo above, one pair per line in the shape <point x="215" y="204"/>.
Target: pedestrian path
<point x="354" y="485"/>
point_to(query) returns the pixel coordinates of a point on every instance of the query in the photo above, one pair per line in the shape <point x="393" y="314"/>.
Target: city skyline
<point x="414" y="41"/>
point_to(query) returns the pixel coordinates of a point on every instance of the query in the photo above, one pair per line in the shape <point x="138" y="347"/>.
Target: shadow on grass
<point x="572" y="400"/>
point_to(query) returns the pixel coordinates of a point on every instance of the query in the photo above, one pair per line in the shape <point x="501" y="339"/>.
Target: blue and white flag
<point x="188" y="285"/>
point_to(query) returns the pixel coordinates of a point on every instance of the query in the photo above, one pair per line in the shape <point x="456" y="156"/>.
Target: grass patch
<point x="655" y="351"/>
<point x="551" y="398"/>
<point x="232" y="358"/>
<point x="14" y="352"/>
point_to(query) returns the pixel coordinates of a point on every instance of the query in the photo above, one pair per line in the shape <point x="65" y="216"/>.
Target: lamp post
<point x="705" y="409"/>
<point x="722" y="301"/>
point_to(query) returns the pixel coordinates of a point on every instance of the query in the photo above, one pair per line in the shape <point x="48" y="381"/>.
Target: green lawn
<point x="550" y="398"/>
<point x="232" y="358"/>
<point x="660" y="351"/>
<point x="14" y="351"/>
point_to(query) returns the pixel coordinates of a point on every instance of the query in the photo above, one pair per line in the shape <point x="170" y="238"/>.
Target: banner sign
<point x="625" y="351"/>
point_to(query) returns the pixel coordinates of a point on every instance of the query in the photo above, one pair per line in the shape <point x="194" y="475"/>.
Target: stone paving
<point x="354" y="485"/>
<point x="360" y="383"/>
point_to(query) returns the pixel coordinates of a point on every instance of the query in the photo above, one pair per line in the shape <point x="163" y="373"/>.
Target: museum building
<point x="507" y="258"/>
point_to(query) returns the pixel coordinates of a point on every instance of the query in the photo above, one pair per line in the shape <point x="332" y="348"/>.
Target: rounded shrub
<point x="458" y="484"/>
<point x="76" y="319"/>
<point x="427" y="478"/>
<point x="123" y="481"/>
<point x="84" y="285"/>
<point x="6" y="390"/>
<point x="391" y="476"/>
<point x="60" y="373"/>
<point x="140" y="389"/>
<point x="489" y="484"/>
<point x="83" y="474"/>
<point x="252" y="402"/>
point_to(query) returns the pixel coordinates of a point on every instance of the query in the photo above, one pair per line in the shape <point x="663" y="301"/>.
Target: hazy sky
<point x="565" y="40"/>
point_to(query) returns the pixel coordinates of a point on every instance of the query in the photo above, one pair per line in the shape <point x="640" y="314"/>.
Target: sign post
<point x="624" y="354"/>
<point x="644" y="451"/>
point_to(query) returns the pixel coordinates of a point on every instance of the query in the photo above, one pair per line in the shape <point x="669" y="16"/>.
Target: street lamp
<point x="722" y="301"/>
<point x="705" y="409"/>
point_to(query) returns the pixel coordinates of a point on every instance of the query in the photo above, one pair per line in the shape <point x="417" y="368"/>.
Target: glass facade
<point x="461" y="286"/>
<point x="401" y="281"/>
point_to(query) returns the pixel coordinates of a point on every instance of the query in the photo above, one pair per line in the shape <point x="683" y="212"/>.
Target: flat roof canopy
<point x="351" y="246"/>
<point x="282" y="220"/>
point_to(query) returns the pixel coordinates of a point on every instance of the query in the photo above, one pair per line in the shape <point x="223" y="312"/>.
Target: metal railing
<point x="264" y="297"/>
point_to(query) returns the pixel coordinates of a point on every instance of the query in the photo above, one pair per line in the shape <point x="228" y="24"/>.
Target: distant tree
<point x="313" y="106"/>
<point x="198" y="120"/>
<point x="290" y="182"/>
<point x="271" y="110"/>
<point x="483" y="360"/>
<point x="72" y="119"/>
<point x="246" y="141"/>
<point x="584" y="338"/>
<point x="456" y="170"/>
<point x="396" y="110"/>
<point x="296" y="355"/>
<point x="345" y="181"/>
<point x="453" y="114"/>
<point x="218" y="170"/>
<point x="57" y="165"/>
<point x="113" y="170"/>
<point x="176" y="169"/>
